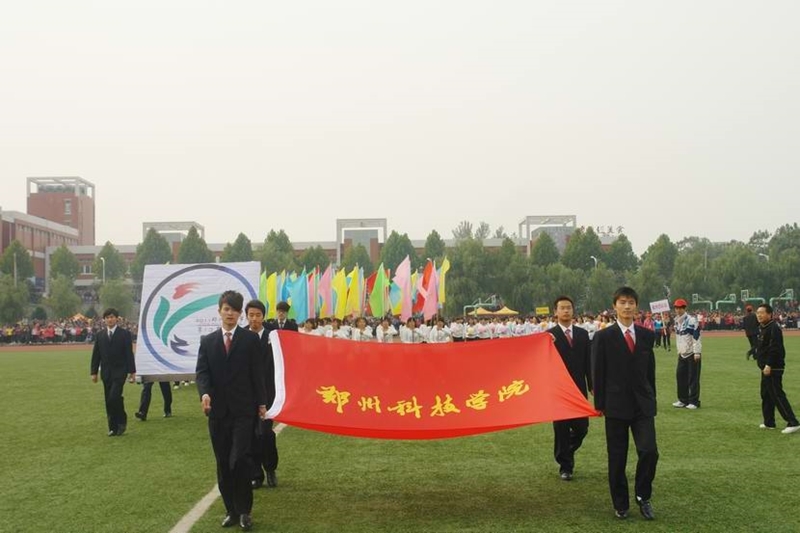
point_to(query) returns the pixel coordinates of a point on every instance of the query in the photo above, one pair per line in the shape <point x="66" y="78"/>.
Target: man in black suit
<point x="573" y="345"/>
<point x="230" y="381"/>
<point x="112" y="355"/>
<point x="265" y="449"/>
<point x="625" y="391"/>
<point x="750" y="326"/>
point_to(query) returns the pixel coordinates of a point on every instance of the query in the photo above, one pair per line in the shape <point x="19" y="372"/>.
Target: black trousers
<point x="772" y="396"/>
<point x="569" y="435"/>
<point x="644" y="437"/>
<point x="115" y="403"/>
<point x="265" y="450"/>
<point x="753" y="340"/>
<point x="231" y="439"/>
<point x="688" y="377"/>
<point x="147" y="394"/>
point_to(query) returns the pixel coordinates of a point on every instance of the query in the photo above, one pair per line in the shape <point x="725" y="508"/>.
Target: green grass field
<point x="60" y="473"/>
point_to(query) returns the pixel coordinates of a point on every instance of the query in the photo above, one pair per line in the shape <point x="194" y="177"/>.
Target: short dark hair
<point x="255" y="304"/>
<point x="563" y="298"/>
<point x="282" y="306"/>
<point x="767" y="308"/>
<point x="113" y="312"/>
<point x="627" y="292"/>
<point x="233" y="299"/>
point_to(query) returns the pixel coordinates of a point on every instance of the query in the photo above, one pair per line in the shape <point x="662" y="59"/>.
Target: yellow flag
<point x="443" y="273"/>
<point x="272" y="294"/>
<point x="339" y="286"/>
<point x="354" y="294"/>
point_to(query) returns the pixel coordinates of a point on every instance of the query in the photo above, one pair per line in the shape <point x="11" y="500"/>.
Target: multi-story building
<point x="36" y="235"/>
<point x="69" y="201"/>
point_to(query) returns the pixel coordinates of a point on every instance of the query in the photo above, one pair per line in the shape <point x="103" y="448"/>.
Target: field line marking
<point x="189" y="519"/>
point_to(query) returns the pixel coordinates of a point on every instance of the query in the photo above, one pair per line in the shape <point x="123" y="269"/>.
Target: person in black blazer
<point x="265" y="449"/>
<point x="624" y="369"/>
<point x="112" y="355"/>
<point x="230" y="382"/>
<point x="574" y="347"/>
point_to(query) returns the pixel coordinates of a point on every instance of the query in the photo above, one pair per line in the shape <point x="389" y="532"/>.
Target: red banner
<point x="420" y="391"/>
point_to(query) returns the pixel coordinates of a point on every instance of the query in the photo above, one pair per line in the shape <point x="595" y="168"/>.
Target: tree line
<point x="766" y="265"/>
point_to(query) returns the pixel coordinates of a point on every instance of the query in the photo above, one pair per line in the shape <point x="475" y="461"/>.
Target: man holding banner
<point x="230" y="380"/>
<point x="624" y="368"/>
<point x="573" y="346"/>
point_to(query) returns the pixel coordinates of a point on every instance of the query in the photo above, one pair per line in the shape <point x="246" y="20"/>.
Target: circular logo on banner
<point x="183" y="308"/>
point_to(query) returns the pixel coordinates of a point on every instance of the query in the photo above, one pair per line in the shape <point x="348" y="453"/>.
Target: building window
<point x="87" y="269"/>
<point x="67" y="207"/>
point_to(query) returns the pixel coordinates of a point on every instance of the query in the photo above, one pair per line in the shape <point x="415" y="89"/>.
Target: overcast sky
<point x="679" y="117"/>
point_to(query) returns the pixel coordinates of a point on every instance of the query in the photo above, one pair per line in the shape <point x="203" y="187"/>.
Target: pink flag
<point x="326" y="310"/>
<point x="402" y="278"/>
<point x="312" y="294"/>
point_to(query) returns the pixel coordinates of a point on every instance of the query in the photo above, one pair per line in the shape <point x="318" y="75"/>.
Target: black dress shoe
<point x="646" y="508"/>
<point x="272" y="479"/>
<point x="229" y="521"/>
<point x="245" y="522"/>
<point x="622" y="514"/>
<point x="140" y="416"/>
<point x="121" y="429"/>
<point x="256" y="483"/>
<point x="566" y="476"/>
<point x="167" y="415"/>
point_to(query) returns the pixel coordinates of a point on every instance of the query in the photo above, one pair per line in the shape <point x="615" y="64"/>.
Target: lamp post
<point x="103" y="260"/>
<point x="593" y="258"/>
<point x="15" y="269"/>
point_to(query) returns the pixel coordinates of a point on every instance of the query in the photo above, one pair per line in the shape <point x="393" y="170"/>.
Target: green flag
<point x="377" y="300"/>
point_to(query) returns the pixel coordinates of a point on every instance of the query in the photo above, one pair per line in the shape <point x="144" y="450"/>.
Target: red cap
<point x="680" y="302"/>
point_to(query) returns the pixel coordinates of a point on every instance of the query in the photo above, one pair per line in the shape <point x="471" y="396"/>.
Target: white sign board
<point x="661" y="306"/>
<point x="180" y="303"/>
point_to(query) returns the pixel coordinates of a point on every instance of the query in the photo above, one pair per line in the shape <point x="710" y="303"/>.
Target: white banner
<point x="180" y="303"/>
<point x="661" y="306"/>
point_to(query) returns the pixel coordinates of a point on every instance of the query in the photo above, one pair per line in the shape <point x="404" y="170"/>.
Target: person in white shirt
<point x="336" y="331"/>
<point x="385" y="332"/>
<point x="310" y="327"/>
<point x="409" y="333"/>
<point x="439" y="333"/>
<point x="361" y="332"/>
<point x="482" y="330"/>
<point x="457" y="329"/>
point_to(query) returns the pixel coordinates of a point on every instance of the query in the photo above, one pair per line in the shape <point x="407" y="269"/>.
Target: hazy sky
<point x="679" y="117"/>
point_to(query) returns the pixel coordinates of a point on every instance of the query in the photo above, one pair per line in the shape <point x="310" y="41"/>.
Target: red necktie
<point x="568" y="333"/>
<point x="629" y="340"/>
<point x="227" y="342"/>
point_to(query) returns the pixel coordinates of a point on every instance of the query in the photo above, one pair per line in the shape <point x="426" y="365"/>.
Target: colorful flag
<point x="442" y="273"/>
<point x="422" y="287"/>
<point x="402" y="277"/>
<point x="377" y="297"/>
<point x="353" y="307"/>
<point x="298" y="292"/>
<point x="272" y="295"/>
<point x="339" y="287"/>
<point x="262" y="288"/>
<point x="431" y="305"/>
<point x="312" y="294"/>
<point x="326" y="298"/>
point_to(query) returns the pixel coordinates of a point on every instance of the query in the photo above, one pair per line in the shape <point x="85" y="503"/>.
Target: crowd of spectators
<point x="65" y="331"/>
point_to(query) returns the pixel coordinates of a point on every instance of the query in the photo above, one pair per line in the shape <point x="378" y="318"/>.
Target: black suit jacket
<point x="577" y="358"/>
<point x="113" y="356"/>
<point x="271" y="325"/>
<point x="234" y="381"/>
<point x="624" y="382"/>
<point x="269" y="367"/>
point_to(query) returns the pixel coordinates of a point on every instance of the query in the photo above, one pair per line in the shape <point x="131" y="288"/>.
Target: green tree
<point x="23" y="261"/>
<point x="64" y="263"/>
<point x="117" y="294"/>
<point x="194" y="249"/>
<point x="314" y="257"/>
<point x="466" y="282"/>
<point x="463" y="230"/>
<point x="240" y="251"/>
<point x="581" y="247"/>
<point x="435" y="247"/>
<point x="277" y="253"/>
<point x="662" y="254"/>
<point x="483" y="231"/>
<point x="396" y="248"/>
<point x="648" y="282"/>
<point x="620" y="256"/>
<point x="63" y="300"/>
<point x="13" y="299"/>
<point x="787" y="237"/>
<point x="153" y="250"/>
<point x="115" y="267"/>
<point x="357" y="255"/>
<point x="601" y="286"/>
<point x="544" y="251"/>
<point x="563" y="280"/>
